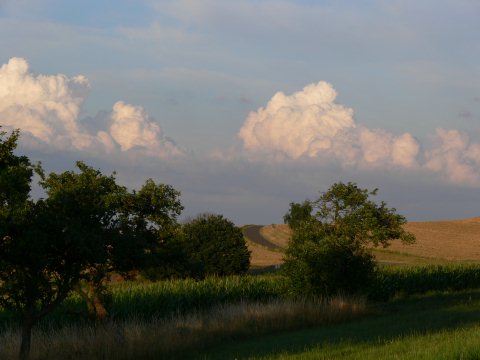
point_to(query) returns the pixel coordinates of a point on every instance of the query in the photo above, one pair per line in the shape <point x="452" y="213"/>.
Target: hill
<point x="437" y="242"/>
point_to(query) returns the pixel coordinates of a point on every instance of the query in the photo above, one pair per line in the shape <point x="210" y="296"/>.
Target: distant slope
<point x="450" y="240"/>
<point x="253" y="233"/>
<point x="437" y="241"/>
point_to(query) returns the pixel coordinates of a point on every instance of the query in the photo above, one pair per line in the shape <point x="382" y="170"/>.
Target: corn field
<point x="392" y="281"/>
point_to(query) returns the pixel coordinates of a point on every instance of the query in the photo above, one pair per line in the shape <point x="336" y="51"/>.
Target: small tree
<point x="215" y="246"/>
<point x="328" y="252"/>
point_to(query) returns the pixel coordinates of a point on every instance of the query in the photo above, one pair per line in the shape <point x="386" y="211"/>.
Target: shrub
<point x="216" y="246"/>
<point x="328" y="253"/>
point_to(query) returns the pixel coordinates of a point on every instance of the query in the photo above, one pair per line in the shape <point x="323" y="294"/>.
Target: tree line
<point x="87" y="227"/>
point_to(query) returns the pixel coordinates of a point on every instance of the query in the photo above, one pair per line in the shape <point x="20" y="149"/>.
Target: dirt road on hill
<point x="253" y="233"/>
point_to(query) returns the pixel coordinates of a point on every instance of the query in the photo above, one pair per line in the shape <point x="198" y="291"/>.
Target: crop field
<point x="438" y="242"/>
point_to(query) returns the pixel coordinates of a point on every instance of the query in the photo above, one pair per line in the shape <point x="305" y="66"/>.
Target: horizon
<point x="246" y="107"/>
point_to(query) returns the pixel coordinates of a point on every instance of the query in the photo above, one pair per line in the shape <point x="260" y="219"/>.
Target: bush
<point x="215" y="246"/>
<point x="330" y="267"/>
<point x="328" y="254"/>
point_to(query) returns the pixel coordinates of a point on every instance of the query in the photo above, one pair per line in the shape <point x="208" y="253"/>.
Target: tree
<point x="154" y="211"/>
<point x="215" y="246"/>
<point x="86" y="227"/>
<point x="298" y="214"/>
<point x="328" y="251"/>
<point x="116" y="230"/>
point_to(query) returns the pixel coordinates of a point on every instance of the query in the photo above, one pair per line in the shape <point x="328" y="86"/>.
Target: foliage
<point x="86" y="227"/>
<point x="33" y="279"/>
<point x="327" y="253"/>
<point x="329" y="267"/>
<point x="153" y="211"/>
<point x="215" y="246"/>
<point x="298" y="214"/>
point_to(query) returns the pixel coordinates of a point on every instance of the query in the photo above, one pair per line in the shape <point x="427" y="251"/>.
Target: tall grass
<point x="165" y="298"/>
<point x="178" y="335"/>
<point x="394" y="281"/>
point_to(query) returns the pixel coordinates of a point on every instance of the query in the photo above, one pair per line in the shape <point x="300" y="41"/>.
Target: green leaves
<point x="86" y="227"/>
<point x="216" y="246"/>
<point x="328" y="250"/>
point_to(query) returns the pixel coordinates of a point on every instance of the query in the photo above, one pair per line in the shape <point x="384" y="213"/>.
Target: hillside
<point x="437" y="241"/>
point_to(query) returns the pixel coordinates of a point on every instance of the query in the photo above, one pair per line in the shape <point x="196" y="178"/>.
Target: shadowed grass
<point x="443" y="324"/>
<point x="174" y="337"/>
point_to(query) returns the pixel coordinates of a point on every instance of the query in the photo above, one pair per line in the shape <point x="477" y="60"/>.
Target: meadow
<point x="420" y="307"/>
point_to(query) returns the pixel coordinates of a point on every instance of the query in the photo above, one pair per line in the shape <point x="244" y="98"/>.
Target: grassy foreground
<point x="252" y="316"/>
<point x="178" y="335"/>
<point x="435" y="326"/>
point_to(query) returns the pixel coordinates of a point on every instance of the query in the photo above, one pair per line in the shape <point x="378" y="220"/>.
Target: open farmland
<point x="456" y="240"/>
<point x="437" y="242"/>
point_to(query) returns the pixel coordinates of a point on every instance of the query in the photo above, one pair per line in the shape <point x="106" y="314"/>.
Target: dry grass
<point x="159" y="338"/>
<point x="262" y="257"/>
<point x="278" y="234"/>
<point x="454" y="240"/>
<point x="437" y="242"/>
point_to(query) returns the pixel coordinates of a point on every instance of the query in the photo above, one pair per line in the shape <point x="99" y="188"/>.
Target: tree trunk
<point x="28" y="321"/>
<point x="100" y="311"/>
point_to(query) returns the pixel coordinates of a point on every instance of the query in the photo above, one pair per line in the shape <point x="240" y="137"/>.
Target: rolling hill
<point x="437" y="242"/>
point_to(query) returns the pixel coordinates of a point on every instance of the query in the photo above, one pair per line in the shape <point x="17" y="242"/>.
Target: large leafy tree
<point x="215" y="246"/>
<point x="86" y="227"/>
<point x="328" y="252"/>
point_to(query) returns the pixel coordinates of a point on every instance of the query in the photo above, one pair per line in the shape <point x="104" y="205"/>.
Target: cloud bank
<point x="47" y="107"/>
<point x="309" y="124"/>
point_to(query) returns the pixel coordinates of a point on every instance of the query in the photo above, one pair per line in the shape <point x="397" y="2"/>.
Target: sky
<point x="246" y="106"/>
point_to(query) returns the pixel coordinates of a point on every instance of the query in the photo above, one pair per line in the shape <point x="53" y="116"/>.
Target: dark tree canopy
<point x="216" y="246"/>
<point x="86" y="227"/>
<point x="328" y="250"/>
<point x="298" y="214"/>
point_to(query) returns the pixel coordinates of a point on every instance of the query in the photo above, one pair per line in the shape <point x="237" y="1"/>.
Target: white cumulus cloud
<point x="46" y="109"/>
<point x="309" y="123"/>
<point x="45" y="106"/>
<point x="131" y="127"/>
<point x="455" y="157"/>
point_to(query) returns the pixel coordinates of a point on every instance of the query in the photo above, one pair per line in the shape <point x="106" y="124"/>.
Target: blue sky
<point x="184" y="92"/>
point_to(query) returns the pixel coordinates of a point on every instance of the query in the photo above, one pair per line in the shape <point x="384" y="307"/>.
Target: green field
<point x="427" y="312"/>
<point x="435" y="326"/>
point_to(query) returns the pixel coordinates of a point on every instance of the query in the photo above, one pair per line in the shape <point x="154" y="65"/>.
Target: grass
<point x="434" y="326"/>
<point x="218" y="317"/>
<point x="279" y="234"/>
<point x="262" y="257"/>
<point x="177" y="336"/>
<point x="246" y="317"/>
<point x="392" y="281"/>
<point x="438" y="242"/>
